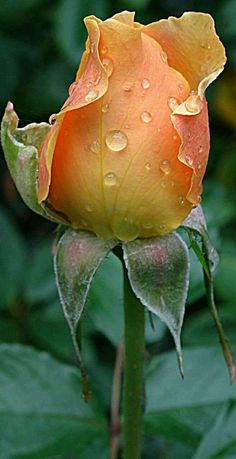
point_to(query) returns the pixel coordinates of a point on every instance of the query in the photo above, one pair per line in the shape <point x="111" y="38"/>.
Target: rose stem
<point x="134" y="343"/>
<point x="115" y="402"/>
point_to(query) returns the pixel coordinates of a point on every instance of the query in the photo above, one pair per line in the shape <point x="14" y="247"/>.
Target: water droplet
<point x="88" y="208"/>
<point x="158" y="129"/>
<point x="181" y="88"/>
<point x="72" y="87"/>
<point x="199" y="166"/>
<point x="193" y="92"/>
<point x="145" y="83"/>
<point x="175" y="137"/>
<point x="181" y="200"/>
<point x="192" y="104"/>
<point x="91" y="95"/>
<point x="165" y="167"/>
<point x="163" y="183"/>
<point x="189" y="160"/>
<point x="116" y="140"/>
<point x="146" y="117"/>
<point x="200" y="149"/>
<point x="128" y="86"/>
<point x="83" y="222"/>
<point x="173" y="103"/>
<point x="162" y="227"/>
<point x="52" y="118"/>
<point x="103" y="49"/>
<point x="92" y="47"/>
<point x="95" y="147"/>
<point x="147" y="225"/>
<point x="163" y="56"/>
<point x="148" y="166"/>
<point x="105" y="108"/>
<point x="126" y="229"/>
<point x="107" y="63"/>
<point x="110" y="179"/>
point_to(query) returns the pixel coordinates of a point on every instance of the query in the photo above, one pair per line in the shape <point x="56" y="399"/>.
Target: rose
<point x="126" y="155"/>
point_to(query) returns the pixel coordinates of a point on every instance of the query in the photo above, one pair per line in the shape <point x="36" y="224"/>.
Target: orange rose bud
<point x="127" y="153"/>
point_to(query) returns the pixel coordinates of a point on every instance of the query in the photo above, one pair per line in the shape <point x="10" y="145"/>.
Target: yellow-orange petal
<point x="195" y="146"/>
<point x="119" y="156"/>
<point x="192" y="46"/>
<point x="90" y="85"/>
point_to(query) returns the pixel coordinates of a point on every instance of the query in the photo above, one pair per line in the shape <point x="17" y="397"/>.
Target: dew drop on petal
<point x="146" y="117"/>
<point x="147" y="224"/>
<point x="91" y="95"/>
<point x="193" y="92"/>
<point x="104" y="50"/>
<point x="162" y="227"/>
<point x="189" y="160"/>
<point x="95" y="147"/>
<point x="52" y="118"/>
<point x="163" y="56"/>
<point x="163" y="183"/>
<point x="173" y="103"/>
<point x="181" y="88"/>
<point x="107" y="63"/>
<point x="110" y="179"/>
<point x="165" y="167"/>
<point x="145" y="83"/>
<point x="83" y="222"/>
<point x="126" y="230"/>
<point x="72" y="87"/>
<point x="128" y="86"/>
<point x="88" y="208"/>
<point x="105" y="108"/>
<point x="148" y="166"/>
<point x="200" y="149"/>
<point x="116" y="140"/>
<point x="192" y="104"/>
<point x="181" y="200"/>
<point x="92" y="47"/>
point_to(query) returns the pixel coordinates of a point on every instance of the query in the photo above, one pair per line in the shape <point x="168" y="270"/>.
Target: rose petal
<point x="192" y="46"/>
<point x="140" y="84"/>
<point x="195" y="146"/>
<point x="91" y="83"/>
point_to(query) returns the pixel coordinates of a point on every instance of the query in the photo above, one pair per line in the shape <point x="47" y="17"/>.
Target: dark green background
<point x="42" y="414"/>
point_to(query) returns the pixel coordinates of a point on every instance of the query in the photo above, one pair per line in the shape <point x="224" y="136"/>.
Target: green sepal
<point x="20" y="146"/>
<point x="77" y="258"/>
<point x="196" y="227"/>
<point x="158" y="270"/>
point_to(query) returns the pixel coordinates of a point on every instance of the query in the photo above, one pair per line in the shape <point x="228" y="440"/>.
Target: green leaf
<point x="225" y="284"/>
<point x="77" y="258"/>
<point x="12" y="261"/>
<point x="20" y="147"/>
<point x="199" y="388"/>
<point x="200" y="328"/>
<point x="220" y="440"/>
<point x="105" y="300"/>
<point x="185" y="410"/>
<point x="47" y="328"/>
<point x="158" y="270"/>
<point x="42" y="413"/>
<point x="40" y="285"/>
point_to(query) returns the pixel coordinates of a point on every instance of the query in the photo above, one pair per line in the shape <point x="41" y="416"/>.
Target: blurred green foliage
<point x="42" y="415"/>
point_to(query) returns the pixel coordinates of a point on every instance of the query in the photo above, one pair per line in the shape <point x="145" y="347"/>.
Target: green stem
<point x="133" y="372"/>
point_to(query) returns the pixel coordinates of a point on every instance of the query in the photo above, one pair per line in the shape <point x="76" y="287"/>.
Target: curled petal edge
<point x="90" y="85"/>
